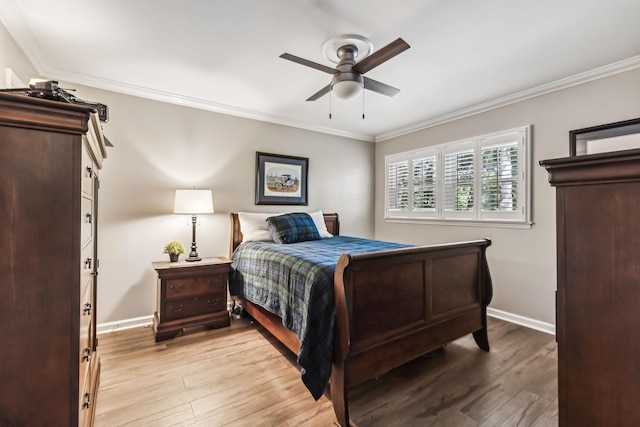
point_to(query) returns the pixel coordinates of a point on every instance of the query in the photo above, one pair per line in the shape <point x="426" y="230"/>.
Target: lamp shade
<point x="193" y="202"/>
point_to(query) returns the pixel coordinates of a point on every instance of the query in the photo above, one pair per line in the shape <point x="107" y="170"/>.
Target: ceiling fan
<point x="348" y="79"/>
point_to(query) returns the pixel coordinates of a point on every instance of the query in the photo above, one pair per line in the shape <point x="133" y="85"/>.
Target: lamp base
<point x="193" y="255"/>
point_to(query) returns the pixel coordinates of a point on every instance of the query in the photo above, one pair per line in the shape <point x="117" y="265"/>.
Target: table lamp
<point x="193" y="202"/>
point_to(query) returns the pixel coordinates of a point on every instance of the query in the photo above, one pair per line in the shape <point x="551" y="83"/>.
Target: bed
<point x="389" y="306"/>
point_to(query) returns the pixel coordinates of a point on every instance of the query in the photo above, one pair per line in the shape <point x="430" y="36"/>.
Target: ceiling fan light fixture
<point x="346" y="89"/>
<point x="347" y="85"/>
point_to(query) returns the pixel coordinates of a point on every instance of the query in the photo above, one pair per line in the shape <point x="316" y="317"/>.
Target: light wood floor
<point x="238" y="376"/>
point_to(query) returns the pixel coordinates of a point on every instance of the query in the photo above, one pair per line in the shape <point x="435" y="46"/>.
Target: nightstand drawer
<point x="180" y="288"/>
<point x="194" y="306"/>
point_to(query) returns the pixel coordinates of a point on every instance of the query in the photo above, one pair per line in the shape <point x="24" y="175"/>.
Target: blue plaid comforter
<point x="295" y="281"/>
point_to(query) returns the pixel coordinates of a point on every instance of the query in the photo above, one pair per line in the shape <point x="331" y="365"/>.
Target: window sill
<point x="461" y="222"/>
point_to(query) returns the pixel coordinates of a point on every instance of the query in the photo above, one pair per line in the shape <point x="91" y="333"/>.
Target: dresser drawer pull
<point x="214" y="302"/>
<point x="87" y="308"/>
<point x="178" y="288"/>
<point x="216" y="281"/>
<point x="176" y="309"/>
<point x="86" y="356"/>
<point x="87" y="401"/>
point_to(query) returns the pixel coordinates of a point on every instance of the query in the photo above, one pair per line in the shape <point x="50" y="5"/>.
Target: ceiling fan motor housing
<point x="346" y="83"/>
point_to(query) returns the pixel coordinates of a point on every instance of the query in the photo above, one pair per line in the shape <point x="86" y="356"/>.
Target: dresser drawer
<point x="87" y="221"/>
<point x="86" y="307"/>
<point x="86" y="400"/>
<point x="194" y="306"/>
<point x="180" y="288"/>
<point x="85" y="354"/>
<point x="87" y="173"/>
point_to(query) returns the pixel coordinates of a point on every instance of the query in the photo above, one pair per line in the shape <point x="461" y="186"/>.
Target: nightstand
<point x="191" y="294"/>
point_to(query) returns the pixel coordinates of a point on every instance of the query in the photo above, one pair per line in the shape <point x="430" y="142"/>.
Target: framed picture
<point x="617" y="136"/>
<point x="281" y="180"/>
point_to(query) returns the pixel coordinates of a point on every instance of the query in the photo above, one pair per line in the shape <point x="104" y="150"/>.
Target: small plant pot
<point x="173" y="257"/>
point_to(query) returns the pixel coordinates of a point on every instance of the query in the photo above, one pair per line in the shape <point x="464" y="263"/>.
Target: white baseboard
<point x="105" y="328"/>
<point x="549" y="328"/>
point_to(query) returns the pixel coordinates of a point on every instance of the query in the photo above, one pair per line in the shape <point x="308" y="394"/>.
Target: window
<point x="483" y="179"/>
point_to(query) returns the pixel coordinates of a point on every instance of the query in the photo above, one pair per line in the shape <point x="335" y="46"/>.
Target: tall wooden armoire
<point x="598" y="294"/>
<point x="50" y="156"/>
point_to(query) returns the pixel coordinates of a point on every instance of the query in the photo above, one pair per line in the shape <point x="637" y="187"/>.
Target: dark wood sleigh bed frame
<point x="394" y="306"/>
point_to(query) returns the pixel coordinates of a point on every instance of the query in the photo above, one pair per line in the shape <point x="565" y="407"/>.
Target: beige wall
<point x="12" y="57"/>
<point x="522" y="262"/>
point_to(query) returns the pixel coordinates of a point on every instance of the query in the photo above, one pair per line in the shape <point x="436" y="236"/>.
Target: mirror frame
<point x="609" y="130"/>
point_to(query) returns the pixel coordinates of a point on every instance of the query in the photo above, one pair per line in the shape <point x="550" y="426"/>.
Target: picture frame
<point x="281" y="179"/>
<point x="624" y="135"/>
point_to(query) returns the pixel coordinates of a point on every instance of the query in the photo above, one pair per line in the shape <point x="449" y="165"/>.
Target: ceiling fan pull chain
<point x="363" y="105"/>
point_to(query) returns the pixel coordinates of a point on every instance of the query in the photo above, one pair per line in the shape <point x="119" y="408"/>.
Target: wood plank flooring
<point x="240" y="376"/>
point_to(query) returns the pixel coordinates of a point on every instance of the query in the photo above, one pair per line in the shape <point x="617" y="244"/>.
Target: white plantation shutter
<point x="500" y="173"/>
<point x="398" y="186"/>
<point x="504" y="176"/>
<point x="459" y="181"/>
<point x="424" y="190"/>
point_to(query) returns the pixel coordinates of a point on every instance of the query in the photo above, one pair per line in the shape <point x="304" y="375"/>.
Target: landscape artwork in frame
<point x="281" y="179"/>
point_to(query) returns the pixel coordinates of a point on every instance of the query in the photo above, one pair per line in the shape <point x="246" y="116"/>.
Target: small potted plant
<point x="174" y="249"/>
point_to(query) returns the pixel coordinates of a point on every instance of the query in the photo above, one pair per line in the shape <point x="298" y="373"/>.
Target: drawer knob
<point x="178" y="288"/>
<point x="176" y="309"/>
<point x="87" y="401"/>
<point x="86" y="356"/>
<point x="87" y="308"/>
<point x="214" y="302"/>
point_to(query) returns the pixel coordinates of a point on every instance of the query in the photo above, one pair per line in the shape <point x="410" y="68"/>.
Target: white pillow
<point x="318" y="219"/>
<point x="254" y="226"/>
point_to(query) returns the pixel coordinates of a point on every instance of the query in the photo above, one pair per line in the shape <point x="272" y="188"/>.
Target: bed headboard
<point x="330" y="219"/>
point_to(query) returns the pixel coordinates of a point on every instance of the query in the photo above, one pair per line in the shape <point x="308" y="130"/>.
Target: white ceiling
<point x="465" y="55"/>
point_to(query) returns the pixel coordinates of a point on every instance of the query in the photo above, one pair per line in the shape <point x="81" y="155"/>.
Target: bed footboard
<point x="394" y="306"/>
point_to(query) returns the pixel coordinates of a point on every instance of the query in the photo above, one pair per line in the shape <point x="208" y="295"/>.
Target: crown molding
<point x="587" y="76"/>
<point x="202" y="104"/>
<point x="143" y="92"/>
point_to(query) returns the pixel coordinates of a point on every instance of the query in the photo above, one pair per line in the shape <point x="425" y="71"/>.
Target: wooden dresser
<point x="50" y="157"/>
<point x="598" y="295"/>
<point x="191" y="294"/>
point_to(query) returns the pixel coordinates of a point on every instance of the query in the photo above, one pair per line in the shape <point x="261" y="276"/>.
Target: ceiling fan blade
<point x="376" y="58"/>
<point x="319" y="94"/>
<point x="378" y="87"/>
<point x="308" y="63"/>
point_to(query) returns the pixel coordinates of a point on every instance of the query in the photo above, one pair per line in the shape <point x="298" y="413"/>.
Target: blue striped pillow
<point x="292" y="228"/>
